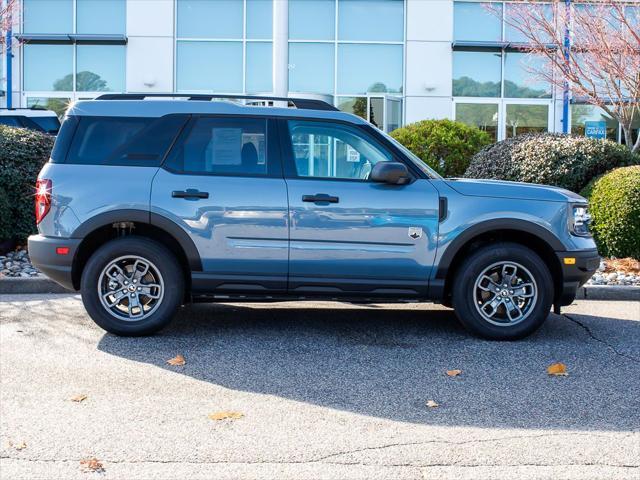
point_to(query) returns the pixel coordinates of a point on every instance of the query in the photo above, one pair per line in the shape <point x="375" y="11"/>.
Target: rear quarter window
<point x="128" y="141"/>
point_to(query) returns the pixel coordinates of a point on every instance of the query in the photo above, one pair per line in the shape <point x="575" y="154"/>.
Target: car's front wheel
<point x="132" y="286"/>
<point x="503" y="291"/>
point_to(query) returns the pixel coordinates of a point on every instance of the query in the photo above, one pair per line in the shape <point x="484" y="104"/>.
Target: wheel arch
<point x="537" y="238"/>
<point x="100" y="229"/>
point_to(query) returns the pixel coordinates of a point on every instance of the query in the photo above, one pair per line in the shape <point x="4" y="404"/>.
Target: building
<point x="391" y="61"/>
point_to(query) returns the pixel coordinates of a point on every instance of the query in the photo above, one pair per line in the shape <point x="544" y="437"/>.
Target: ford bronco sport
<point x="149" y="203"/>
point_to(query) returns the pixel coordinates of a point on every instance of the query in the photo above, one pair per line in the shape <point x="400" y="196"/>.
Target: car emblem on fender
<point x="415" y="232"/>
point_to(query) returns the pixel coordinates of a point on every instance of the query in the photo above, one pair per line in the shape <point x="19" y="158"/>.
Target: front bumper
<point x="574" y="275"/>
<point x="59" y="268"/>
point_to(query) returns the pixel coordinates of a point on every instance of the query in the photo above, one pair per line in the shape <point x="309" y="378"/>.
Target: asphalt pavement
<point x="325" y="390"/>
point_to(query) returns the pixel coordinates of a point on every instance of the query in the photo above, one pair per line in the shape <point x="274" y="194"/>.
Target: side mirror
<point x="394" y="173"/>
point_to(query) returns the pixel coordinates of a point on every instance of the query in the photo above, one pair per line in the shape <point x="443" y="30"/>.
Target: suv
<point x="150" y="203"/>
<point x="39" y="119"/>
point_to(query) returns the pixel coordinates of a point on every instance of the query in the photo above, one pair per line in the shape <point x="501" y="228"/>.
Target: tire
<point x="156" y="292"/>
<point x="479" y="297"/>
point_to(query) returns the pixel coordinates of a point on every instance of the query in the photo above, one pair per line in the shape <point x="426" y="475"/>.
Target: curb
<point x="608" y="292"/>
<point x="17" y="286"/>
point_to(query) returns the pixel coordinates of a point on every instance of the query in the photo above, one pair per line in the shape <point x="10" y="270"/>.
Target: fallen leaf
<point x="453" y="373"/>
<point x="79" y="398"/>
<point x="91" y="465"/>
<point x="177" y="361"/>
<point x="19" y="446"/>
<point x="557" y="369"/>
<point x="432" y="404"/>
<point x="223" y="415"/>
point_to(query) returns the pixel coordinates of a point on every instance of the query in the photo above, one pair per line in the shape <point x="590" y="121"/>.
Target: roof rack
<point x="300" y="103"/>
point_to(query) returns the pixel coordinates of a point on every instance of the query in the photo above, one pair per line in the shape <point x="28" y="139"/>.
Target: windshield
<point x="414" y="158"/>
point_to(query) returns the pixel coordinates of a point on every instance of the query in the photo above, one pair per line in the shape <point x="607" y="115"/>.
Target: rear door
<point x="223" y="184"/>
<point x="349" y="235"/>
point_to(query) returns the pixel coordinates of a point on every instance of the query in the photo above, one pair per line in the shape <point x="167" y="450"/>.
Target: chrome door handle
<point x="320" y="198"/>
<point x="189" y="193"/>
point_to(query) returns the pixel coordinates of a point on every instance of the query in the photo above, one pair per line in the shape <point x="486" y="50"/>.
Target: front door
<point x="349" y="235"/>
<point x="222" y="183"/>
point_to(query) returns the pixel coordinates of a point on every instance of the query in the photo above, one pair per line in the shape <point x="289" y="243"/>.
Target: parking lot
<point x="325" y="390"/>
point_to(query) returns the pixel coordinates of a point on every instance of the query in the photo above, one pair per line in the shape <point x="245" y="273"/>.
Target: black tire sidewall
<point x="164" y="261"/>
<point x="463" y="291"/>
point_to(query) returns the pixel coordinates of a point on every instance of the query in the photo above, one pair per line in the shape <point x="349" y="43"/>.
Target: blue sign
<point x="596" y="130"/>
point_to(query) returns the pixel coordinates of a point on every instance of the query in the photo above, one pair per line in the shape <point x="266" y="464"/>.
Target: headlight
<point x="580" y="220"/>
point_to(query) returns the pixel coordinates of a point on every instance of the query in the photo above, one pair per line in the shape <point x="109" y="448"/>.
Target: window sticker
<point x="226" y="146"/>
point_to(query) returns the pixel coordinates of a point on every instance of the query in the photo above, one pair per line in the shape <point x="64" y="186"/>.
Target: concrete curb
<point x="17" y="286"/>
<point x="609" y="292"/>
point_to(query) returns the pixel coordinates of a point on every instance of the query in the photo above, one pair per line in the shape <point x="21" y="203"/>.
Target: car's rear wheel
<point x="132" y="286"/>
<point x="504" y="291"/>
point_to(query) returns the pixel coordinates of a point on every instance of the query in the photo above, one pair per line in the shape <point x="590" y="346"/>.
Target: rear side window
<point x="10" y="121"/>
<point x="48" y="124"/>
<point x="138" y="141"/>
<point x="223" y="146"/>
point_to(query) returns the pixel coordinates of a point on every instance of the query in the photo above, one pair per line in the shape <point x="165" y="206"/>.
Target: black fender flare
<point x="513" y="224"/>
<point x="150" y="218"/>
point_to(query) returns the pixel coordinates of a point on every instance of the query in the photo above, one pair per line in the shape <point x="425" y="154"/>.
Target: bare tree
<point x="7" y="19"/>
<point x="601" y="65"/>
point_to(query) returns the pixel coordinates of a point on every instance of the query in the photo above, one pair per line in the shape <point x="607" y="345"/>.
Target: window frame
<point x="272" y="150"/>
<point x="370" y="133"/>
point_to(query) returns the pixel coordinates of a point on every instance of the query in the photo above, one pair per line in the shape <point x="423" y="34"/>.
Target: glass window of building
<point x="512" y="34"/>
<point x="100" y="16"/>
<point x="477" y="74"/>
<point x="311" y="67"/>
<point x="48" y="16"/>
<point x="259" y="67"/>
<point x="366" y="68"/>
<point x="354" y="105"/>
<point x="329" y="150"/>
<point x="209" y="66"/>
<point x="519" y="82"/>
<point x="260" y="19"/>
<point x="210" y="19"/>
<point x="312" y="19"/>
<point x="522" y="119"/>
<point x="48" y="67"/>
<point x="379" y="20"/>
<point x="581" y="113"/>
<point x="474" y="21"/>
<point x="100" y="68"/>
<point x="481" y="115"/>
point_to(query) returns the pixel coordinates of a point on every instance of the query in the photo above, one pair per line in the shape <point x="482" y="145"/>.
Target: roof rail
<point x="300" y="103"/>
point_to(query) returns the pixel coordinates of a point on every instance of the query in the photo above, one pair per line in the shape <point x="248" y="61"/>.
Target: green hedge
<point x="566" y="161"/>
<point x="22" y="155"/>
<point x="444" y="145"/>
<point x="615" y="211"/>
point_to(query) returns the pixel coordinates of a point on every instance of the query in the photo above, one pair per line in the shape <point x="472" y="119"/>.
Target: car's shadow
<point x="387" y="363"/>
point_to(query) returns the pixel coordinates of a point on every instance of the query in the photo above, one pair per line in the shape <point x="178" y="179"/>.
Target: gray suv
<point x="149" y="202"/>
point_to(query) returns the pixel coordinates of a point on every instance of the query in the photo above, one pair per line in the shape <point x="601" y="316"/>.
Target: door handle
<point x="189" y="193"/>
<point x="320" y="198"/>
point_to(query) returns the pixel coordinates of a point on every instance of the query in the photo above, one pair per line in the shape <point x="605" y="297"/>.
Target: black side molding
<point x="443" y="204"/>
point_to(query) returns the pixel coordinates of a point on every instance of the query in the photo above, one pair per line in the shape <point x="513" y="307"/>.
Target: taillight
<point x="43" y="199"/>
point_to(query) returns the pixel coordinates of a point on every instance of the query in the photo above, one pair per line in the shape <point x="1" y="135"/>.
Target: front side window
<point x="328" y="150"/>
<point x="223" y="146"/>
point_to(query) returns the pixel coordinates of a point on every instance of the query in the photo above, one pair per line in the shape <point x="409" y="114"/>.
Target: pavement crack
<point x="447" y="442"/>
<point x="599" y="340"/>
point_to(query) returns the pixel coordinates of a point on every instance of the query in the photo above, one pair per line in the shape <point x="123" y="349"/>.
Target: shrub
<point x="444" y="145"/>
<point x="615" y="209"/>
<point x="552" y="159"/>
<point x="22" y="155"/>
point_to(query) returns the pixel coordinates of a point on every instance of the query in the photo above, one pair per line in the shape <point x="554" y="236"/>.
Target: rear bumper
<point x="574" y="275"/>
<point x="42" y="252"/>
